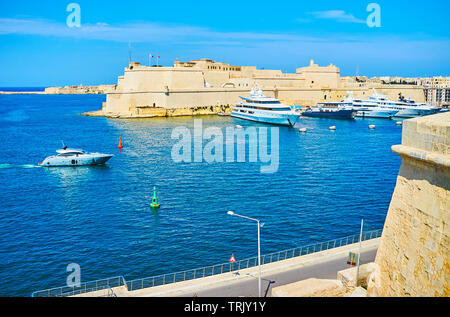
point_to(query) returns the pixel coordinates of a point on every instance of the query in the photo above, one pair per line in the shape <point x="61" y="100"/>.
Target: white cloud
<point x="338" y="15"/>
<point x="140" y="32"/>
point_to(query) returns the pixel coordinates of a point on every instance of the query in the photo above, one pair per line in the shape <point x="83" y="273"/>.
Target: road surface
<point x="249" y="288"/>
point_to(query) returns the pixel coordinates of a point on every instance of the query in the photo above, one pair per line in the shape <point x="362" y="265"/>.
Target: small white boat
<point x="74" y="157"/>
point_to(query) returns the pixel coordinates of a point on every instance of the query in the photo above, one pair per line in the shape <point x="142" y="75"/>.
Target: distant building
<point x="437" y="96"/>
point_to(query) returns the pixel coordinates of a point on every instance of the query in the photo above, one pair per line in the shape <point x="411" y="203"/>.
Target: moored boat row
<point x="380" y="106"/>
<point x="264" y="109"/>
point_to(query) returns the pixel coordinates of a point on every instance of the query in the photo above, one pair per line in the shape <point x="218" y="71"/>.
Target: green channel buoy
<point x="154" y="204"/>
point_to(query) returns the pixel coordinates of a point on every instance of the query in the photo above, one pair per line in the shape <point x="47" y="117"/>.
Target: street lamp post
<point x="231" y="213"/>
<point x="359" y="251"/>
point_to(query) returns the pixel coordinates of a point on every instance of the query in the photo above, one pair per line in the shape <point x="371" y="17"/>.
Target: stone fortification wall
<point x="205" y="83"/>
<point x="413" y="256"/>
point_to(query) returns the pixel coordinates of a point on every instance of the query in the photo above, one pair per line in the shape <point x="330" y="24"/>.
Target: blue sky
<point x="37" y="48"/>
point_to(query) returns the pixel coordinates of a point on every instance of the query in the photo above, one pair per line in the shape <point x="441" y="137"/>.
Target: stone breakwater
<point x="80" y="90"/>
<point x="152" y="112"/>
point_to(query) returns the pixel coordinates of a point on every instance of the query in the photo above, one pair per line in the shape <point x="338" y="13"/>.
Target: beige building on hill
<point x="207" y="87"/>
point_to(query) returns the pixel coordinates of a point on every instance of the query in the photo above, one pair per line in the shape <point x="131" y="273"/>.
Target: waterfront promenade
<point x="324" y="264"/>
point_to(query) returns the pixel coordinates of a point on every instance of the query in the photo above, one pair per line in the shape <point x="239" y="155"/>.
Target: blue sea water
<point x="99" y="217"/>
<point x="17" y="89"/>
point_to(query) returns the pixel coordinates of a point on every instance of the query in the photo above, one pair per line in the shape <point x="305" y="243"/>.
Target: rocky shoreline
<point x="159" y="112"/>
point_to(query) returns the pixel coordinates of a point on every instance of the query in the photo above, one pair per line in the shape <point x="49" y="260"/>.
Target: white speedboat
<point x="264" y="109"/>
<point x="73" y="157"/>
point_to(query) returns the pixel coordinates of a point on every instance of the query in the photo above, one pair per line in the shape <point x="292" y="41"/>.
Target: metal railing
<point x="87" y="287"/>
<point x="204" y="271"/>
<point x="247" y="263"/>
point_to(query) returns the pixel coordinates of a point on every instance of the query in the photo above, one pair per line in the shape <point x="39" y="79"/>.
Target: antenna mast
<point x="129" y="50"/>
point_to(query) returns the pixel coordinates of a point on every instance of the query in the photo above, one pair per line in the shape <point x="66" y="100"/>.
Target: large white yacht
<point x="369" y="108"/>
<point x="410" y="109"/>
<point x="264" y="109"/>
<point x="380" y="106"/>
<point x="73" y="157"/>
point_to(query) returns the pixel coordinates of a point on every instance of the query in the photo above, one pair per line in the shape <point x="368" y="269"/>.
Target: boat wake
<point x="6" y="165"/>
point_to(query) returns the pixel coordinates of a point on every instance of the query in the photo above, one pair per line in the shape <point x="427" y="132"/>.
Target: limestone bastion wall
<point x="413" y="256"/>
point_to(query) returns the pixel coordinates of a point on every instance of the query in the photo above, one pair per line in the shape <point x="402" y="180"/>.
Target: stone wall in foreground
<point x="413" y="256"/>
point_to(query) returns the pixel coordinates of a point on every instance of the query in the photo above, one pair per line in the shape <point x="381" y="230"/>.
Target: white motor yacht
<point x="264" y="109"/>
<point x="74" y="157"/>
<point x="369" y="108"/>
